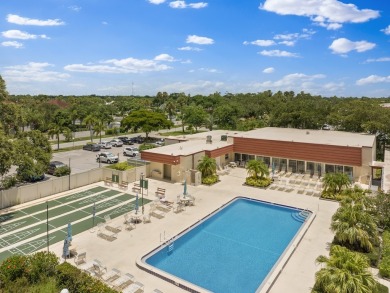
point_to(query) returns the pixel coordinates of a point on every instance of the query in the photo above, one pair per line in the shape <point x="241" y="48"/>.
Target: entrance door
<point x="167" y="172"/>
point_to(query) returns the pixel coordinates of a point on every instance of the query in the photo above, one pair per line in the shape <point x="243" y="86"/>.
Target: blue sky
<point x="141" y="47"/>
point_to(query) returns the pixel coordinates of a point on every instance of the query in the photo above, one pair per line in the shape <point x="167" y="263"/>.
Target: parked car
<point x="94" y="147"/>
<point x="126" y="140"/>
<point x="53" y="166"/>
<point x="137" y="139"/>
<point x="105" y="144"/>
<point x="130" y="151"/>
<point x="116" y="143"/>
<point x="325" y="127"/>
<point x="107" y="157"/>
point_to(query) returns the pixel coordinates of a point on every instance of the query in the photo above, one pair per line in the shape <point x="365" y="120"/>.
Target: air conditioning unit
<point x="209" y="139"/>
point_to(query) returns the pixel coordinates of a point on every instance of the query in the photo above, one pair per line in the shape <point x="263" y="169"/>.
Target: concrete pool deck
<point x="297" y="275"/>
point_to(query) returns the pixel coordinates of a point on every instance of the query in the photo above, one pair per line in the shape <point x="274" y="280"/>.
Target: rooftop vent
<point x="223" y="137"/>
<point x="307" y="132"/>
<point x="209" y="139"/>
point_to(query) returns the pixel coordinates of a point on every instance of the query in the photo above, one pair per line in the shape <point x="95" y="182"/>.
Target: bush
<point x="8" y="182"/>
<point x="384" y="266"/>
<point x="13" y="268"/>
<point x="258" y="182"/>
<point x="62" y="171"/>
<point x="210" y="179"/>
<point x="146" y="146"/>
<point x="75" y="280"/>
<point x="41" y="265"/>
<point x="122" y="166"/>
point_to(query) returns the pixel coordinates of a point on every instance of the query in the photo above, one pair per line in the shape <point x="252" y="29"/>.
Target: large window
<point x="292" y="166"/>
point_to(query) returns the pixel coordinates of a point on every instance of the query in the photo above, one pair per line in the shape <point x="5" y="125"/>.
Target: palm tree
<point x="90" y="121"/>
<point x="345" y="271"/>
<point x="98" y="127"/>
<point x="257" y="169"/>
<point x="170" y="108"/>
<point x="207" y="166"/>
<point x="335" y="182"/>
<point x="354" y="227"/>
<point x="56" y="129"/>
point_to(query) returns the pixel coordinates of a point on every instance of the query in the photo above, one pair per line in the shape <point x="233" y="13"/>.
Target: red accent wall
<point x="340" y="155"/>
<point x="219" y="152"/>
<point x="160" y="158"/>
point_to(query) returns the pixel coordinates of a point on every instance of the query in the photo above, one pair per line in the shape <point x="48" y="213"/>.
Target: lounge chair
<point x="111" y="275"/>
<point x="80" y="258"/>
<point x="135" y="287"/>
<point x="106" y="234"/>
<point x="122" y="281"/>
<point x="157" y="291"/>
<point x="157" y="214"/>
<point x="110" y="227"/>
<point x="162" y="207"/>
<point x="98" y="270"/>
<point x="179" y="207"/>
<point x="88" y="266"/>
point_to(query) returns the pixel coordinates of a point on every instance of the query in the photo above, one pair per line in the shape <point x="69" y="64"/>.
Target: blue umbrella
<point x="69" y="232"/>
<point x="136" y="203"/>
<point x="185" y="188"/>
<point x="65" y="251"/>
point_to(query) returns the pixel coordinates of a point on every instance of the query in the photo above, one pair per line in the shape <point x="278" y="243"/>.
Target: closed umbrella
<point x="69" y="232"/>
<point x="65" y="251"/>
<point x="185" y="188"/>
<point x="136" y="203"/>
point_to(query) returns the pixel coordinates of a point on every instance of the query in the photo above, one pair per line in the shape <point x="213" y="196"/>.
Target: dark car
<point x="126" y="140"/>
<point x="53" y="166"/>
<point x="92" y="147"/>
<point x="137" y="139"/>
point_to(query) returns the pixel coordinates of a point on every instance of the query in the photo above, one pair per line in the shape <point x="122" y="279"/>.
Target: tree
<point x="90" y="120"/>
<point x="6" y="154"/>
<point x="146" y="121"/>
<point x="59" y="126"/>
<point x="382" y="204"/>
<point x="345" y="272"/>
<point x="354" y="227"/>
<point x="3" y="90"/>
<point x="207" y="166"/>
<point x="195" y="116"/>
<point x="170" y="108"/>
<point x="334" y="182"/>
<point x="98" y="128"/>
<point x="257" y="169"/>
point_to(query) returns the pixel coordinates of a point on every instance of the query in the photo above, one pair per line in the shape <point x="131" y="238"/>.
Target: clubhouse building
<point x="313" y="152"/>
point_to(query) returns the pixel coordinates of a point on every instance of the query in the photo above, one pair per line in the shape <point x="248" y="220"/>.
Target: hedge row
<point x="384" y="266"/>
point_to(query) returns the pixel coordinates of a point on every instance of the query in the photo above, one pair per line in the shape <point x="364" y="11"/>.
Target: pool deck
<point x="297" y="275"/>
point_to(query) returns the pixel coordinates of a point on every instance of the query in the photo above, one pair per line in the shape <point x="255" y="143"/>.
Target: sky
<point x="142" y="47"/>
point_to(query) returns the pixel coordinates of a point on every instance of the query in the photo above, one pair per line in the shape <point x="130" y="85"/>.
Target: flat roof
<point x="325" y="137"/>
<point x="215" y="134"/>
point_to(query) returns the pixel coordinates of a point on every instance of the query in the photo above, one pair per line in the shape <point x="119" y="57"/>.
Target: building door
<point x="167" y="172"/>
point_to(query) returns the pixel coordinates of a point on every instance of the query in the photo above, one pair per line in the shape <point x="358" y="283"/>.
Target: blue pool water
<point x="233" y="250"/>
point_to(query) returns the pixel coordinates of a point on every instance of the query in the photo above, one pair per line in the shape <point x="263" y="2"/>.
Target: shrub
<point x="122" y="166"/>
<point x="8" y="181"/>
<point x="258" y="182"/>
<point x="210" y="179"/>
<point x="62" y="171"/>
<point x="75" y="280"/>
<point x="384" y="266"/>
<point x="41" y="265"/>
<point x="13" y="268"/>
<point x="146" y="146"/>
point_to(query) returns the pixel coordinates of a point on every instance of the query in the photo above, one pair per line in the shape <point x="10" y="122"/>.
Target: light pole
<point x="142" y="192"/>
<point x="69" y="173"/>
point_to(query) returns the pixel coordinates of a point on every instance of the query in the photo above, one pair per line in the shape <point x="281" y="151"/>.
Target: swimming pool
<point x="232" y="250"/>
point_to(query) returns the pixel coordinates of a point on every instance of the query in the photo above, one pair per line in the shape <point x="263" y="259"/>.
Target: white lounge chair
<point x="157" y="214"/>
<point x="122" y="281"/>
<point x="98" y="270"/>
<point x="111" y="275"/>
<point x="105" y="234"/>
<point x="135" y="287"/>
<point x="88" y="266"/>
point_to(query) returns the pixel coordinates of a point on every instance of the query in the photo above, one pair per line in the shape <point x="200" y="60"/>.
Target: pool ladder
<point x="168" y="241"/>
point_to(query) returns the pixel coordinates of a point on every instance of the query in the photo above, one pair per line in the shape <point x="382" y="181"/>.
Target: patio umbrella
<point x="185" y="188"/>
<point x="69" y="232"/>
<point x="136" y="203"/>
<point x="65" y="251"/>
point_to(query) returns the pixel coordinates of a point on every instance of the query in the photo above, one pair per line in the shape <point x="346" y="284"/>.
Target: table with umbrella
<point x="135" y="214"/>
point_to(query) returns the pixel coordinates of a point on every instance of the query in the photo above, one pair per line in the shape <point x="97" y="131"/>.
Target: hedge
<point x="384" y="266"/>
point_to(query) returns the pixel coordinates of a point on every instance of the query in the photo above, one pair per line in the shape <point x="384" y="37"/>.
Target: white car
<point x="105" y="144"/>
<point x="130" y="151"/>
<point x="107" y="157"/>
<point x="116" y="143"/>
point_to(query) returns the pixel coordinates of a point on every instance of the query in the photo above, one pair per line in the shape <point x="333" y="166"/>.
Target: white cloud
<point x="14" y="44"/>
<point x="199" y="40"/>
<point x="277" y="53"/>
<point x="198" y="5"/>
<point x="292" y="38"/>
<point x="200" y="86"/>
<point x="16" y="19"/>
<point x="210" y="70"/>
<point x="373" y="79"/>
<point x="183" y="4"/>
<point x="127" y="65"/>
<point x="386" y="30"/>
<point x="261" y="43"/>
<point x="164" y="57"/>
<point x="157" y="2"/>
<point x="343" y="45"/>
<point x="188" y="48"/>
<point x="17" y="34"/>
<point x="383" y="59"/>
<point x="269" y="70"/>
<point x="328" y="13"/>
<point x="104" y="22"/>
<point x="33" y="71"/>
<point x="75" y="8"/>
<point x="287" y="43"/>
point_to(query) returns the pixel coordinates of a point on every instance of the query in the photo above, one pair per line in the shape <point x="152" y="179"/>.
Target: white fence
<point x="26" y="193"/>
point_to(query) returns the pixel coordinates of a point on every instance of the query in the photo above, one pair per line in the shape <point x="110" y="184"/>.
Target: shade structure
<point x="65" y="249"/>
<point x="185" y="188"/>
<point x="136" y="203"/>
<point x="69" y="236"/>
